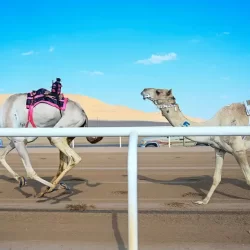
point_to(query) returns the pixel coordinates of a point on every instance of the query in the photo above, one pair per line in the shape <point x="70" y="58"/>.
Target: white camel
<point x="44" y="112"/>
<point x="231" y="115"/>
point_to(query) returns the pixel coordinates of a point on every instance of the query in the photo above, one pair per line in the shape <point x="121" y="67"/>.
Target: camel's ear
<point x="169" y="92"/>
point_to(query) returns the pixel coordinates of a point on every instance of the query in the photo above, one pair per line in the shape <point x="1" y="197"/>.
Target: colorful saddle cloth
<point x="44" y="96"/>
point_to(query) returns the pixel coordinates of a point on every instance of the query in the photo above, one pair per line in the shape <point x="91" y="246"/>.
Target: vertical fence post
<point x="72" y="144"/>
<point x="132" y="192"/>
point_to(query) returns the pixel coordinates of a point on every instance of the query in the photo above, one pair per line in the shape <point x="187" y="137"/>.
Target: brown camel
<point x="232" y="115"/>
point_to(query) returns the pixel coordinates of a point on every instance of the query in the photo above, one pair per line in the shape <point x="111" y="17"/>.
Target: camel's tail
<point x="91" y="139"/>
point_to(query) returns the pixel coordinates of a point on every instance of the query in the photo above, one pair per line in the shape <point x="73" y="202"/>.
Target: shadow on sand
<point x="199" y="183"/>
<point x="64" y="195"/>
<point x="117" y="234"/>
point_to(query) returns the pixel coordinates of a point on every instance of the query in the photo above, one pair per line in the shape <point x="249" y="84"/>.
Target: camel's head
<point x="159" y="96"/>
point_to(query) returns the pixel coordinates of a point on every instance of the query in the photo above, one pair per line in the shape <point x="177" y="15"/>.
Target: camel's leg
<point x="219" y="154"/>
<point x="63" y="161"/>
<point x="3" y="154"/>
<point x="62" y="165"/>
<point x="74" y="158"/>
<point x="241" y="158"/>
<point x="23" y="153"/>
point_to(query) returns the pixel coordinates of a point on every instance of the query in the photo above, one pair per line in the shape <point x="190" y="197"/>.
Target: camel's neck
<point x="176" y="118"/>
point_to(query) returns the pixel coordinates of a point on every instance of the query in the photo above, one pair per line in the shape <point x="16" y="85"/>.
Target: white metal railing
<point x="133" y="133"/>
<point x="125" y="131"/>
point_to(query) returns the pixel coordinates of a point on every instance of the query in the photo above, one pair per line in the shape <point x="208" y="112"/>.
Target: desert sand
<point x="93" y="215"/>
<point x="104" y="111"/>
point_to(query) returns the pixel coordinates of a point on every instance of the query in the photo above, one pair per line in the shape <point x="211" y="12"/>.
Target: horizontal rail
<point x="125" y="131"/>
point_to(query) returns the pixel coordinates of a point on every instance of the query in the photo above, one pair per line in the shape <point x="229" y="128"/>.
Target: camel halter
<point x="162" y="106"/>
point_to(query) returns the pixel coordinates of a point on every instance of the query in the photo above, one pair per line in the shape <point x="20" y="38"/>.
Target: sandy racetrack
<point x="93" y="215"/>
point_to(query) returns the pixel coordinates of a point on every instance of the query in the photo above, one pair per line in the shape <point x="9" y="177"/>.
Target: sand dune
<point x="97" y="109"/>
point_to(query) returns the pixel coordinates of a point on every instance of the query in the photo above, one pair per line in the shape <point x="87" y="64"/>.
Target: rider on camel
<point x="56" y="87"/>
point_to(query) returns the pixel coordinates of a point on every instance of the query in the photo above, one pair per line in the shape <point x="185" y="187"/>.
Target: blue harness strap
<point x="247" y="106"/>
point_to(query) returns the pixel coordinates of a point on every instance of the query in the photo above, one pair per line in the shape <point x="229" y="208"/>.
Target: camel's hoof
<point x="200" y="202"/>
<point x="51" y="189"/>
<point x="63" y="186"/>
<point x="47" y="190"/>
<point x="22" y="181"/>
<point x="41" y="194"/>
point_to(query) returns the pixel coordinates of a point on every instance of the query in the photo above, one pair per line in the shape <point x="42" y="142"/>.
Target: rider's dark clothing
<point x="56" y="87"/>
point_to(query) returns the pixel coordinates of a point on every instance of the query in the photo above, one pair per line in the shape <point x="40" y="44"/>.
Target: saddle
<point x="45" y="96"/>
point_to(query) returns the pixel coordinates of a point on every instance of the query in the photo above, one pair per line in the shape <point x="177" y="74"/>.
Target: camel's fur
<point x="13" y="114"/>
<point x="231" y="115"/>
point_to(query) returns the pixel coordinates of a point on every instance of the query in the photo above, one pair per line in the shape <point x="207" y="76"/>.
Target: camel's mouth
<point x="146" y="96"/>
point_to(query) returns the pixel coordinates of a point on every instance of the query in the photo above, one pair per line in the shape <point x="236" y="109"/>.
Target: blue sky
<point x="111" y="51"/>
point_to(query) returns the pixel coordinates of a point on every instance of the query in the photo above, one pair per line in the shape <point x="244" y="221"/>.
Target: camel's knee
<point x="240" y="156"/>
<point x="240" y="152"/>
<point x="62" y="145"/>
<point x="77" y="159"/>
<point x="216" y="180"/>
<point x="74" y="160"/>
